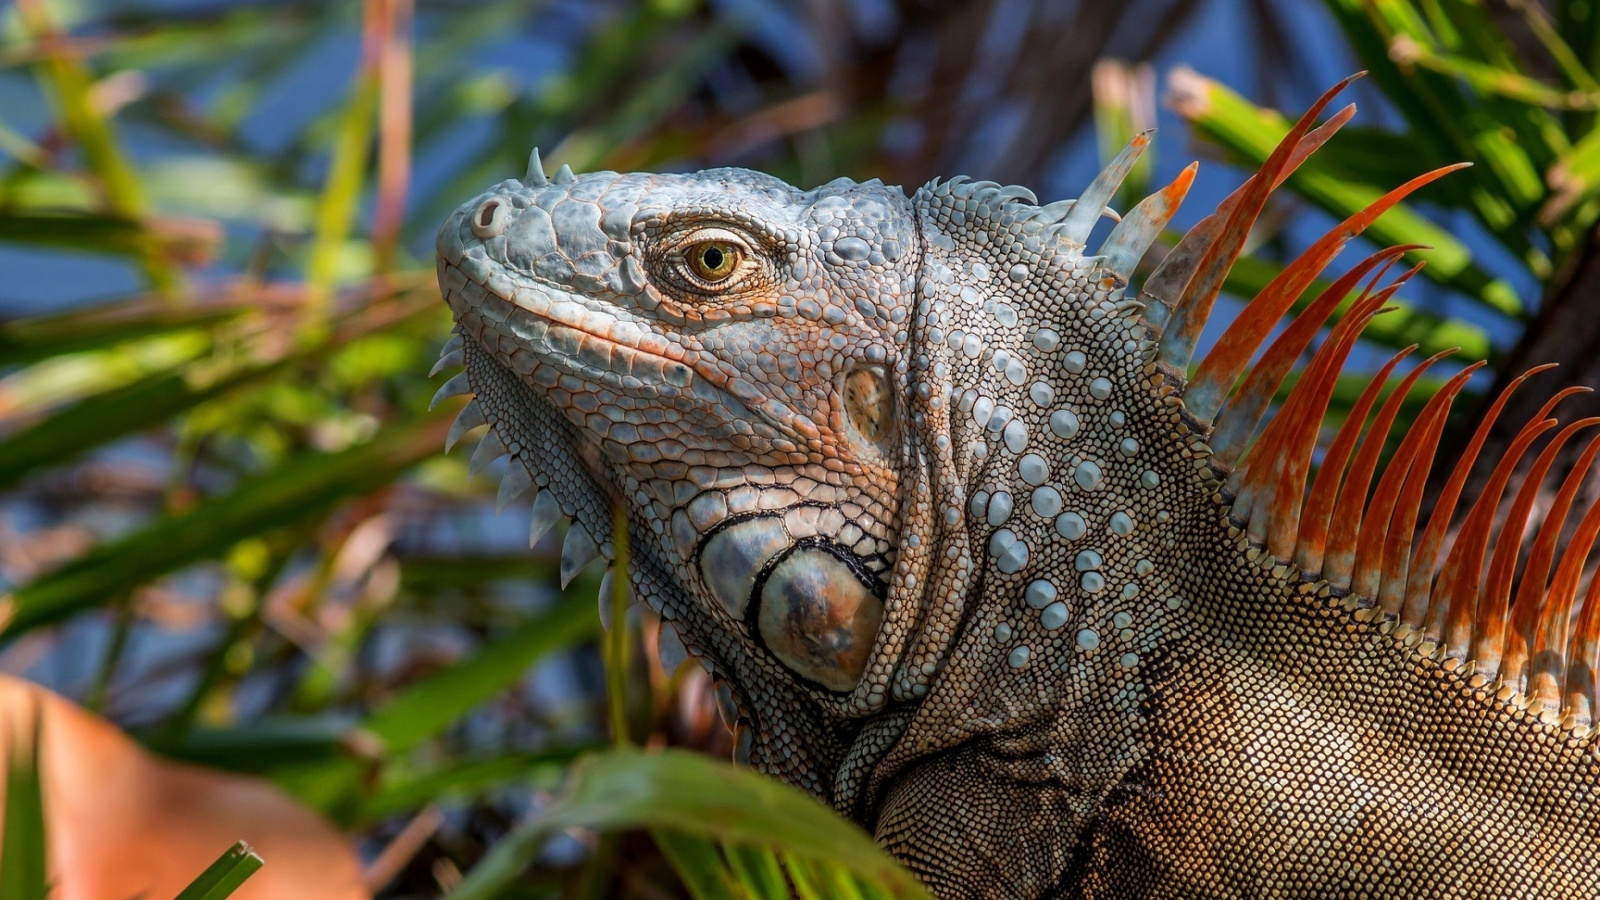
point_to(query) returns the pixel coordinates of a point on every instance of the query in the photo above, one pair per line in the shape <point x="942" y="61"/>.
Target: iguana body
<point x="934" y="497"/>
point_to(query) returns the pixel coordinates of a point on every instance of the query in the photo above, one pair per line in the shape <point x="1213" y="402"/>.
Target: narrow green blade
<point x="224" y="876"/>
<point x="24" y="874"/>
<point x="695" y="795"/>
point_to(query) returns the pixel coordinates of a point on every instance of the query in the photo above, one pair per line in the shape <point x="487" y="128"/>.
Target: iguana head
<point x="724" y="356"/>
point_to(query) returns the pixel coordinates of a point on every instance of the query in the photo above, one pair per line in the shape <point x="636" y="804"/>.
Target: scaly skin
<point x="915" y="485"/>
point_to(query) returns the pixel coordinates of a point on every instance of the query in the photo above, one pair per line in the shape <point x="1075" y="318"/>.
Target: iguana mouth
<point x="574" y="337"/>
<point x="616" y="357"/>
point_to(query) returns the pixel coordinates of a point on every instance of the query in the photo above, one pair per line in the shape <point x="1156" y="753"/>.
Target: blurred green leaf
<point x="425" y="708"/>
<point x="402" y="788"/>
<point x="341" y="194"/>
<point x="149" y="401"/>
<point x="86" y="232"/>
<point x="1491" y="79"/>
<point x="698" y="862"/>
<point x="304" y="486"/>
<point x="260" y="744"/>
<point x="104" y="325"/>
<point x="24" y="870"/>
<point x="70" y="84"/>
<point x="697" y="796"/>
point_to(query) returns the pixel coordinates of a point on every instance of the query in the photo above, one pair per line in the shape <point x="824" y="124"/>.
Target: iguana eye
<point x="714" y="261"/>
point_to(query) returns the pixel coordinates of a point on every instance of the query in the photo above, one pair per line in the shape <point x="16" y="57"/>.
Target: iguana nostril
<point x="490" y="218"/>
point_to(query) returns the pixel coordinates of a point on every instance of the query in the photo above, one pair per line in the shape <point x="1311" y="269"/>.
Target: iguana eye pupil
<point x="714" y="260"/>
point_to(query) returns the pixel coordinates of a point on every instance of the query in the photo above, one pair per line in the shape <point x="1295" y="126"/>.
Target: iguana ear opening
<point x="870" y="413"/>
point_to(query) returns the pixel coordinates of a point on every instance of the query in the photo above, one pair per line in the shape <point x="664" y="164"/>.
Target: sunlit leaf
<point x="697" y="796"/>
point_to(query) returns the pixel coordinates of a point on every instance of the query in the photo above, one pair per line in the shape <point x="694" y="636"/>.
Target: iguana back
<point x="978" y="560"/>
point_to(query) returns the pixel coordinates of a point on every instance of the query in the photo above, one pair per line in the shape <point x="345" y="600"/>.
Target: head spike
<point x="607" y="585"/>
<point x="514" y="485"/>
<point x="450" y="359"/>
<point x="564" y="175"/>
<point x="488" y="450"/>
<point x="456" y="386"/>
<point x="546" y="513"/>
<point x="470" y="417"/>
<point x="670" y="650"/>
<point x="535" y="176"/>
<point x="577" y="551"/>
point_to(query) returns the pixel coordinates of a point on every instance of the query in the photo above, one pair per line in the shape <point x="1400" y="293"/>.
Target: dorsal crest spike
<point x="1374" y="553"/>
<point x="1551" y="678"/>
<point x="1397" y="551"/>
<point x="1268" y="489"/>
<point x="1164" y="288"/>
<point x="1460" y="583"/>
<point x="1311" y="550"/>
<point x="1193" y="306"/>
<point x="1237" y="421"/>
<point x="1127" y="243"/>
<point x="1419" y="604"/>
<point x="1340" y="561"/>
<point x="1556" y="600"/>
<point x="1080" y="219"/>
<point x="1520" y="621"/>
<point x="1225" y="362"/>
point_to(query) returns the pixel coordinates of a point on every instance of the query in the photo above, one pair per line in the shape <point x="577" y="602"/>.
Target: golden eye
<point x="714" y="261"/>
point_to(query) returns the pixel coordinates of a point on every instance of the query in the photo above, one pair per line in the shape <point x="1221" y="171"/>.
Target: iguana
<point x="977" y="559"/>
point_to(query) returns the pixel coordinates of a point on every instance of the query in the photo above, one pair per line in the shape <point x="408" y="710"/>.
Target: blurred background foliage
<point x="226" y="519"/>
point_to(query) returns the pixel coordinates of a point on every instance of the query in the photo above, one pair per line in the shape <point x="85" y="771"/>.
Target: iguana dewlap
<point x="979" y="561"/>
